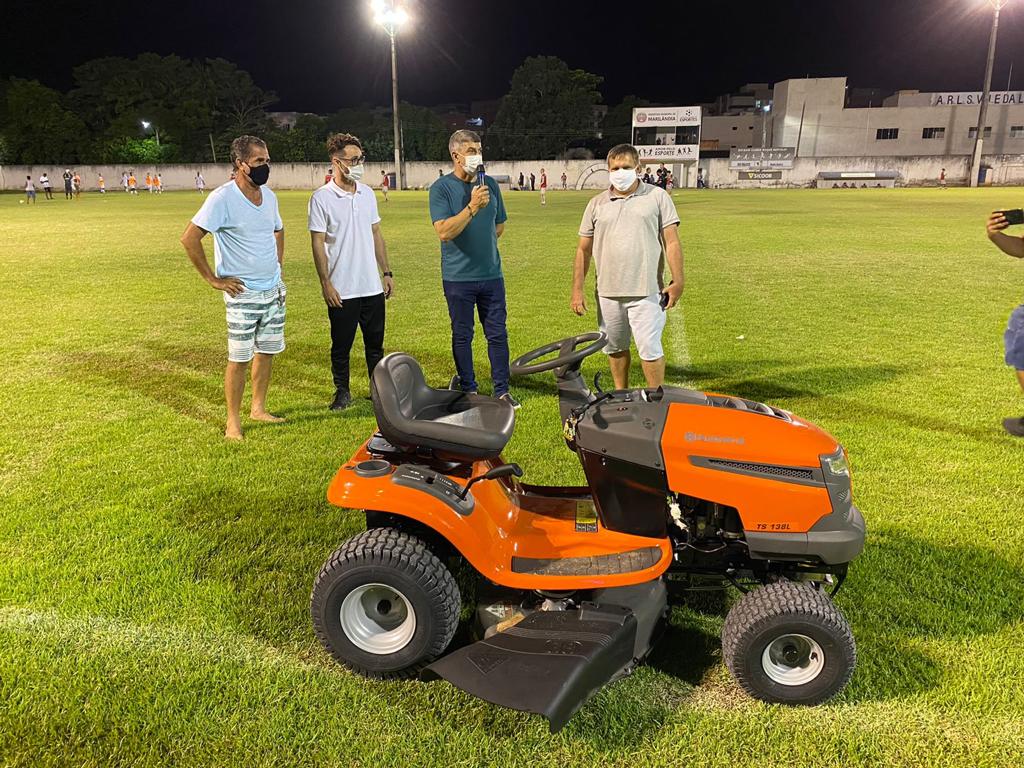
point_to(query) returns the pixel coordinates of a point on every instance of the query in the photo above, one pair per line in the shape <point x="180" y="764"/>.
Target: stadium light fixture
<point x="392" y="16"/>
<point x="146" y="125"/>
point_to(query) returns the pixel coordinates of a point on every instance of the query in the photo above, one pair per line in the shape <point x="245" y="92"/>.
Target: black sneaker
<point x="508" y="398"/>
<point x="1014" y="426"/>
<point x="342" y="400"/>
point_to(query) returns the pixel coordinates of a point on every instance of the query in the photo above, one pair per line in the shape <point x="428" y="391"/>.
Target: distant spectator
<point x="661" y="176"/>
<point x="44" y="182"/>
<point x="565" y="181"/>
<point x="30" y="190"/>
<point x="543" y="187"/>
<point x="124" y="181"/>
<point x="942" y="179"/>
<point x="76" y="183"/>
<point x="522" y="181"/>
<point x="385" y="184"/>
<point x="149" y="182"/>
<point x="158" y="184"/>
<point x="101" y="184"/>
<point x="328" y="176"/>
<point x="68" y="178"/>
<point x="533" y="182"/>
<point x="200" y="183"/>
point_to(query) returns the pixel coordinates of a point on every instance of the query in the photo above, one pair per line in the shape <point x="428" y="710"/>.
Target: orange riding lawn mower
<point x="573" y="585"/>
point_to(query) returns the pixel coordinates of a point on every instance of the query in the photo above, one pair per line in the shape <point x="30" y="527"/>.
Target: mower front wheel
<point x="787" y="643"/>
<point x="384" y="605"/>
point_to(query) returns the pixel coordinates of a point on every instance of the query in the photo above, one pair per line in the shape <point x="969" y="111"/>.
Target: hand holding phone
<point x="1013" y="216"/>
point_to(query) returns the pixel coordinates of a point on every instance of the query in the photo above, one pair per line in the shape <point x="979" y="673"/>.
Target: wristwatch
<point x="472" y="213"/>
<point x="389" y="273"/>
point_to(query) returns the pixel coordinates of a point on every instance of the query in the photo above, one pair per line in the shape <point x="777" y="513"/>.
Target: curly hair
<point x="338" y="142"/>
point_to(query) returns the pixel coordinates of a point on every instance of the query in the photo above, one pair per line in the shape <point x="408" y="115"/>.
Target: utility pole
<point x="979" y="140"/>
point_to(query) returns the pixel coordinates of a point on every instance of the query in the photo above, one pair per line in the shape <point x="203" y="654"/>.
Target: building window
<point x="933" y="133"/>
<point x="1017" y="131"/>
<point x="887" y="134"/>
<point x="973" y="132"/>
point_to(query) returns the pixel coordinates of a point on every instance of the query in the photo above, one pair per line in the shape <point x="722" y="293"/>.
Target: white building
<point x="812" y="115"/>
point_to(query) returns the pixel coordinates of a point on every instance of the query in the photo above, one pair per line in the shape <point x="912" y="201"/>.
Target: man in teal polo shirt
<point x="469" y="217"/>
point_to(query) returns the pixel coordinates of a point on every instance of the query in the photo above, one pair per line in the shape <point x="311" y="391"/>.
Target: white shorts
<point x="255" y="323"/>
<point x="642" y="319"/>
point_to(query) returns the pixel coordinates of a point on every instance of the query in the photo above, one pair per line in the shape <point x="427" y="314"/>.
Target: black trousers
<point x="367" y="314"/>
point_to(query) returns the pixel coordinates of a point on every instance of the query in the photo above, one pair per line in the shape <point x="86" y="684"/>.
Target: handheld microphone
<point x="480" y="175"/>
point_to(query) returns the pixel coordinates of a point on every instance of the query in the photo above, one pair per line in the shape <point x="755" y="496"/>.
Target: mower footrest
<point x="549" y="664"/>
<point x="599" y="565"/>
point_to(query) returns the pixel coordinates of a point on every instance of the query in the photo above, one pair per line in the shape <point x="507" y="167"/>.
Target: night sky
<point x="319" y="55"/>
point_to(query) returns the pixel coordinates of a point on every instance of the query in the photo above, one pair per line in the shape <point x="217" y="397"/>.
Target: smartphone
<point x="664" y="297"/>
<point x="1014" y="216"/>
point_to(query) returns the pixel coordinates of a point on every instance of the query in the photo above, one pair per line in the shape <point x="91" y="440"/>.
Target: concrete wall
<point x="581" y="174"/>
<point x="302" y="175"/>
<point x="733" y="131"/>
<point x="913" y="171"/>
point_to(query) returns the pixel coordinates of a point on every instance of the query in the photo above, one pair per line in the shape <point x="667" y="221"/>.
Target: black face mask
<point x="258" y="174"/>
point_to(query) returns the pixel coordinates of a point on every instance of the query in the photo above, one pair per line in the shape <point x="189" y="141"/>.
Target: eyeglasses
<point x="350" y="161"/>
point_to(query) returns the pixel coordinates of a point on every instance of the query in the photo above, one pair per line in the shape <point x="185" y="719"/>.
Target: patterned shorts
<point x="1013" y="339"/>
<point x="255" y="323"/>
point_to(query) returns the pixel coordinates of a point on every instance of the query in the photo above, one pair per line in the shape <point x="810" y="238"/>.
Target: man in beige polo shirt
<point x="627" y="230"/>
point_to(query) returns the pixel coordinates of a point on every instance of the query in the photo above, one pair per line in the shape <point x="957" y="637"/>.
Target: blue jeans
<point x="488" y="298"/>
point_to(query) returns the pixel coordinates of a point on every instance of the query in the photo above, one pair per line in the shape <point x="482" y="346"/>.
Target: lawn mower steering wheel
<point x="569" y="358"/>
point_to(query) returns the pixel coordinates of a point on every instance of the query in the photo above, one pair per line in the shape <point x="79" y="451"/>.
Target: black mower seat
<point x="453" y="425"/>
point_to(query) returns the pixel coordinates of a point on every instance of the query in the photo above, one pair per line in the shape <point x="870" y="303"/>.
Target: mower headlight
<point x="837" y="464"/>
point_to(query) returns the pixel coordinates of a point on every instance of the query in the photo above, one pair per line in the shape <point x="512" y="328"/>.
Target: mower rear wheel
<point x="384" y="605"/>
<point x="787" y="643"/>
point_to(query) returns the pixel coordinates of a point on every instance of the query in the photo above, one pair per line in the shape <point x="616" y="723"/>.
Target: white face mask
<point x="471" y="163"/>
<point x="355" y="172"/>
<point x="623" y="178"/>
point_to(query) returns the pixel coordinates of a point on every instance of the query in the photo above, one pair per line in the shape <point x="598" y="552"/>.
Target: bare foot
<point x="233" y="433"/>
<point x="265" y="416"/>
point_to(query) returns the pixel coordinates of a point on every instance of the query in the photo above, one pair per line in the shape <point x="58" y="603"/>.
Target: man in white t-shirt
<point x="248" y="248"/>
<point x="44" y="182"/>
<point x="348" y="251"/>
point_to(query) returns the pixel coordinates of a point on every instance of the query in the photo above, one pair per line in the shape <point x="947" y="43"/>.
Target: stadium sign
<point x="760" y="175"/>
<point x="775" y="158"/>
<point x="973" y="98"/>
<point x="667" y="134"/>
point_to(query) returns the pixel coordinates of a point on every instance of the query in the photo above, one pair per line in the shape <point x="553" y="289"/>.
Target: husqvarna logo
<point x="696" y="437"/>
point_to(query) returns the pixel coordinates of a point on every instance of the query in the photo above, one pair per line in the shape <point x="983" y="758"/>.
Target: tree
<point x="188" y="101"/>
<point x="617" y="126"/>
<point x="548" y="107"/>
<point x="39" y="129"/>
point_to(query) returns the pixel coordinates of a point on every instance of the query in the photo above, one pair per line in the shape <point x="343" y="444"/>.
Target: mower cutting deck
<point x="575" y="583"/>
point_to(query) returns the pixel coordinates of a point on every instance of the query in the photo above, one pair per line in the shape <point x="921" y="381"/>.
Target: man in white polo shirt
<point x="627" y="230"/>
<point x="348" y="250"/>
<point x="248" y="247"/>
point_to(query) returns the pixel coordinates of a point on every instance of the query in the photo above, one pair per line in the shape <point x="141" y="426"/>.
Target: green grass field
<point x="154" y="581"/>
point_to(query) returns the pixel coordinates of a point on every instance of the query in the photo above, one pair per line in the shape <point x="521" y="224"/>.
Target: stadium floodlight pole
<point x="156" y="131"/>
<point x="391" y="17"/>
<point x="979" y="139"/>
